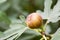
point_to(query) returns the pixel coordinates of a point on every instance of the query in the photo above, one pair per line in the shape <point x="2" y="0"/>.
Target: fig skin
<point x="34" y="20"/>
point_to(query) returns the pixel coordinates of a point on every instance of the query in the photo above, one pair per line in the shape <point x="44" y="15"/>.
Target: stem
<point x="44" y="37"/>
<point x="46" y="24"/>
<point x="44" y="28"/>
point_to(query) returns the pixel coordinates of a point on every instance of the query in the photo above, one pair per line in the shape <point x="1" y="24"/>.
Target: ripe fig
<point x="34" y="20"/>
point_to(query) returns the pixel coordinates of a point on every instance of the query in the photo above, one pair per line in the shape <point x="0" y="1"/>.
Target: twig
<point x="44" y="37"/>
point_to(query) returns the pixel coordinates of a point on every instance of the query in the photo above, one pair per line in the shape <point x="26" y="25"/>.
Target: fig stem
<point x="46" y="24"/>
<point x="44" y="37"/>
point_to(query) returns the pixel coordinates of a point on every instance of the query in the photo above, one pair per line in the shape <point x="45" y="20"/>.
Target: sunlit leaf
<point x="57" y="7"/>
<point x="47" y="9"/>
<point x="47" y="6"/>
<point x="51" y="14"/>
<point x="2" y="1"/>
<point x="54" y="16"/>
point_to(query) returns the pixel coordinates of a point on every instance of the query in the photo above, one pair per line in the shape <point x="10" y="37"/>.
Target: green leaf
<point x="30" y="35"/>
<point x="16" y="28"/>
<point x="51" y="28"/>
<point x="47" y="6"/>
<point x="2" y="1"/>
<point x="54" y="16"/>
<point x="11" y="38"/>
<point x="57" y="7"/>
<point x="17" y="35"/>
<point x="1" y="33"/>
<point x="51" y="14"/>
<point x="47" y="10"/>
<point x="22" y="18"/>
<point x="4" y="17"/>
<point x="4" y="20"/>
<point x="4" y="6"/>
<point x="56" y="36"/>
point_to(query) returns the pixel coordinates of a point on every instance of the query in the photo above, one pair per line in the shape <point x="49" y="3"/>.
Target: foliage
<point x="13" y="14"/>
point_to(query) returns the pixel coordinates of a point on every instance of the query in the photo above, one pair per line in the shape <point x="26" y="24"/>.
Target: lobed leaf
<point x="51" y="14"/>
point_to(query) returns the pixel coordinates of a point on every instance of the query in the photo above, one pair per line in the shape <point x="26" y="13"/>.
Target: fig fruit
<point x="34" y="20"/>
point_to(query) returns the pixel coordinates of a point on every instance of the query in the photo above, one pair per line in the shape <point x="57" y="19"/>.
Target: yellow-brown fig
<point x="34" y="20"/>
